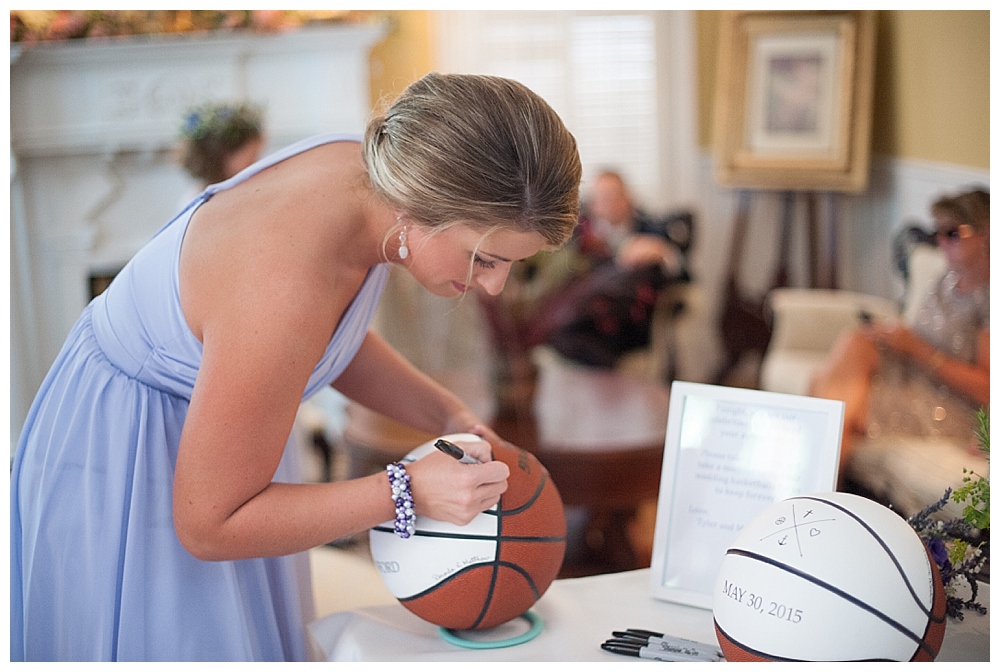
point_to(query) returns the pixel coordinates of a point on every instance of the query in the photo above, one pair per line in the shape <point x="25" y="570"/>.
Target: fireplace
<point x="94" y="126"/>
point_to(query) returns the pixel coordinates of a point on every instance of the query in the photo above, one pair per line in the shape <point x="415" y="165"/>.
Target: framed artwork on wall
<point x="793" y="100"/>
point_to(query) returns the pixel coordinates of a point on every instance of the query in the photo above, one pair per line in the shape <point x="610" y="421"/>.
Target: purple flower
<point x="938" y="551"/>
<point x="191" y="123"/>
<point x="940" y="554"/>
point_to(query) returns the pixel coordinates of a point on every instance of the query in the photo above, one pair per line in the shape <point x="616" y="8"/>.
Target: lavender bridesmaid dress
<point x="96" y="570"/>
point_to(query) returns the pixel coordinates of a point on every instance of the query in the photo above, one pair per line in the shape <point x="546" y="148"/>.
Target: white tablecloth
<point x="578" y="615"/>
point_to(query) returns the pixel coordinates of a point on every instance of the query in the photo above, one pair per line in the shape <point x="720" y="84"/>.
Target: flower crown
<point x="228" y="122"/>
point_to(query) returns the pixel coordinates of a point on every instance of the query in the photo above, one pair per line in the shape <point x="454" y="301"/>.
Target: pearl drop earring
<point x="404" y="251"/>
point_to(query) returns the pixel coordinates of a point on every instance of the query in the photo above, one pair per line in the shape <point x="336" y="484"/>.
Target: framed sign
<point x="729" y="454"/>
<point x="793" y="99"/>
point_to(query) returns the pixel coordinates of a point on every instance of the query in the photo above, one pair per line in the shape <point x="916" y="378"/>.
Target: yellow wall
<point x="404" y="56"/>
<point x="932" y="79"/>
<point x="932" y="85"/>
<point x="932" y="97"/>
<point x="707" y="27"/>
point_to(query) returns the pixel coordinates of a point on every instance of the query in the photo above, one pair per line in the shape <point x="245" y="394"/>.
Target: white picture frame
<point x="729" y="454"/>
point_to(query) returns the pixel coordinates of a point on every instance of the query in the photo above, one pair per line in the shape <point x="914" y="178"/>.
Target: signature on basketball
<point x="471" y="560"/>
<point x="756" y="603"/>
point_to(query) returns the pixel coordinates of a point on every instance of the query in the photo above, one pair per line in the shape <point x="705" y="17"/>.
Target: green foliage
<point x="228" y="123"/>
<point x="983" y="431"/>
<point x="976" y="491"/>
<point x="960" y="546"/>
<point x="958" y="551"/>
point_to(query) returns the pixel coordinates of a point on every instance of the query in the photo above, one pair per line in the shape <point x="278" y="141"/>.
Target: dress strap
<point x="268" y="161"/>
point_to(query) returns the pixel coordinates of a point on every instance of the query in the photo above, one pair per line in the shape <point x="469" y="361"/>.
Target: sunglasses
<point x="955" y="233"/>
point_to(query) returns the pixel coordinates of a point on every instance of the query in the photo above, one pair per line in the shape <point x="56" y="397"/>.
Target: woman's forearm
<point x="970" y="380"/>
<point x="286" y="518"/>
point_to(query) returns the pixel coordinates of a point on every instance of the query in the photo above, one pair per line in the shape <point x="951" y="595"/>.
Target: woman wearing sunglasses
<point x="928" y="378"/>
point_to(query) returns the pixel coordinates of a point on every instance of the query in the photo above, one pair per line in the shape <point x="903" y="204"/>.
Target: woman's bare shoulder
<point x="272" y="250"/>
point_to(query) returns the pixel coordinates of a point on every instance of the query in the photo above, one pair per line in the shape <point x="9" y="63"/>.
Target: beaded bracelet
<point x="399" y="481"/>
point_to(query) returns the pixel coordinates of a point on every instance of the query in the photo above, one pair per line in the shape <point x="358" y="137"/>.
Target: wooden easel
<point x="744" y="324"/>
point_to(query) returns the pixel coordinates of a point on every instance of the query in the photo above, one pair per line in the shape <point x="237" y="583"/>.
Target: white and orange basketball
<point x="485" y="573"/>
<point x="829" y="577"/>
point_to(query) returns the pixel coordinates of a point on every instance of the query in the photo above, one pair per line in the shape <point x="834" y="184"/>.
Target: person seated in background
<point x="930" y="378"/>
<point x="612" y="227"/>
<point x="620" y="260"/>
<point x="219" y="140"/>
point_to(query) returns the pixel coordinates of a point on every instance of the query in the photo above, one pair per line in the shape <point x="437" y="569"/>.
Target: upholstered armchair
<point x="807" y="322"/>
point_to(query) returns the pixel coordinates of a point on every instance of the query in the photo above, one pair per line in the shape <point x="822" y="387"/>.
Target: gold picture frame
<point x="793" y="100"/>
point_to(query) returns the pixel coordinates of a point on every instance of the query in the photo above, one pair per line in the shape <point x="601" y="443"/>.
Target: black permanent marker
<point x="450" y="448"/>
<point x="656" y="653"/>
<point x="660" y="640"/>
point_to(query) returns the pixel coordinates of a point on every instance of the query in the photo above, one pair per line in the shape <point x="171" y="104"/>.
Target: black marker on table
<point x="661" y="644"/>
<point x="668" y="654"/>
<point x="450" y="448"/>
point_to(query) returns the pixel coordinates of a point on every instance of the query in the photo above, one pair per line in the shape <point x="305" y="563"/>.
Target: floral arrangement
<point x="41" y="25"/>
<point x="229" y="122"/>
<point x="961" y="546"/>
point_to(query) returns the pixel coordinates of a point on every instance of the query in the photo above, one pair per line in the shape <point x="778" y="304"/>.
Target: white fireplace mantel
<point x="94" y="127"/>
<point x="129" y="93"/>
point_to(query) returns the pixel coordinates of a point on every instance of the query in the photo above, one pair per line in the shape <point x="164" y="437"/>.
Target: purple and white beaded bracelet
<point x="399" y="481"/>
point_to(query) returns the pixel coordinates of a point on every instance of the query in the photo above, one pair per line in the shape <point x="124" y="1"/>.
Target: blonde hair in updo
<point x="479" y="149"/>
